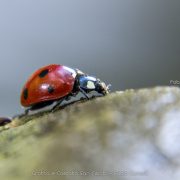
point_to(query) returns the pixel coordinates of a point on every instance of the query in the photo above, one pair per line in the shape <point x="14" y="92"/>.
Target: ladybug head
<point x="90" y="83"/>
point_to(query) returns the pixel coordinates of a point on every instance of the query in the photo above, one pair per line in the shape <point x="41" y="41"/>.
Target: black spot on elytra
<point x="25" y="93"/>
<point x="43" y="73"/>
<point x="50" y="89"/>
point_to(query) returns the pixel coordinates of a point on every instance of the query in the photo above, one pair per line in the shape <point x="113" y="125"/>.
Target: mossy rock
<point x="124" y="135"/>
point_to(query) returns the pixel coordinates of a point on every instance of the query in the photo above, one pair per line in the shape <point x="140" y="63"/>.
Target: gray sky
<point x="128" y="43"/>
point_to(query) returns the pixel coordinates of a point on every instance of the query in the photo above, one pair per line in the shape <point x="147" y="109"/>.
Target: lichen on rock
<point x="125" y="135"/>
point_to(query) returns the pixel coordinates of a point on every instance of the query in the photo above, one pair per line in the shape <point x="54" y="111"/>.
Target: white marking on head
<point x="90" y="85"/>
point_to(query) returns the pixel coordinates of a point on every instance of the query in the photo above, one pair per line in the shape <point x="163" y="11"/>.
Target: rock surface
<point x="126" y="135"/>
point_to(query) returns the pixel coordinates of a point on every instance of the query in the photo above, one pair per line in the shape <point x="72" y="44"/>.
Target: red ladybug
<point x="4" y="121"/>
<point x="57" y="83"/>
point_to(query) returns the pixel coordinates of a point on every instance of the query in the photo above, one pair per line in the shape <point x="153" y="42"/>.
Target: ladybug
<point x="58" y="83"/>
<point x="4" y="121"/>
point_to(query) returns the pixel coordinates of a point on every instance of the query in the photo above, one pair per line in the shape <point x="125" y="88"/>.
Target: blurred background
<point x="128" y="43"/>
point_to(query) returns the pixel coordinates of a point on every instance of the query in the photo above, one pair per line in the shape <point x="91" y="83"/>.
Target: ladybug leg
<point x="84" y="93"/>
<point x="27" y="111"/>
<point x="57" y="104"/>
<point x="68" y="98"/>
<point x="23" y="114"/>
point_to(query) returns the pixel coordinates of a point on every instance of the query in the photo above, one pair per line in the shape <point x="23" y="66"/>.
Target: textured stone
<point x="132" y="134"/>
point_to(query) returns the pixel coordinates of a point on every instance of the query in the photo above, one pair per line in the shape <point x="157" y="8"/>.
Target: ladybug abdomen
<point x="48" y="83"/>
